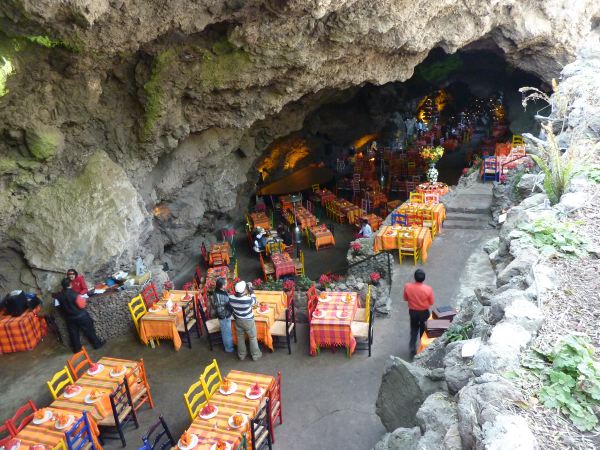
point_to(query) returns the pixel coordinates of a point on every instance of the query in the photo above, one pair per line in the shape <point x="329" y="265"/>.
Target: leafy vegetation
<point x="154" y="89"/>
<point x="458" y="332"/>
<point x="551" y="236"/>
<point x="592" y="173"/>
<point x="571" y="378"/>
<point x="303" y="283"/>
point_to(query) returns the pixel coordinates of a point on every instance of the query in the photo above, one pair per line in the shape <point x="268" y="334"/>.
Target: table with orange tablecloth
<point x="217" y="428"/>
<point x="324" y="195"/>
<point x="503" y="149"/>
<point x="305" y="218"/>
<point x="350" y="210"/>
<point x="162" y="324"/>
<point x="433" y="188"/>
<point x="331" y="331"/>
<point x="439" y="211"/>
<point x="374" y="221"/>
<point x="378" y="198"/>
<point x="260" y="219"/>
<point x="263" y="321"/>
<point x="222" y="250"/>
<point x="47" y="434"/>
<point x="387" y="239"/>
<point x="283" y="264"/>
<point x="18" y="334"/>
<point x="322" y="236"/>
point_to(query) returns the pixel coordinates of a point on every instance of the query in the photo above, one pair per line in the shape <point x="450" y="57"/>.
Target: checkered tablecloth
<point x="283" y="264"/>
<point x="18" y="334"/>
<point x="260" y="219"/>
<point x="219" y="249"/>
<point x="322" y="236"/>
<point x="305" y="218"/>
<point x="330" y="331"/>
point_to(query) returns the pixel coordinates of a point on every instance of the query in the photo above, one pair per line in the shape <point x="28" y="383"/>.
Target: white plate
<point x="254" y="397"/>
<point x="211" y="415"/>
<point x="70" y="421"/>
<point x="232" y="425"/>
<point x="89" y="400"/>
<point x="47" y="416"/>
<point x="232" y="389"/>
<point x="178" y="310"/>
<point x="192" y="444"/>
<point x="15" y="446"/>
<point x="77" y="392"/>
<point x="155" y="309"/>
<point x="263" y="312"/>
<point x="325" y="300"/>
<point x="97" y="371"/>
<point x="319" y="316"/>
<point x="118" y="374"/>
<point x="214" y="446"/>
<point x="342" y="315"/>
<point x="347" y="300"/>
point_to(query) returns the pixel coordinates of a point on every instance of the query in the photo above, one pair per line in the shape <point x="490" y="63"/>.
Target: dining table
<point x="162" y="324"/>
<point x="387" y="238"/>
<point x="331" y="323"/>
<point x="277" y="302"/>
<point x="283" y="264"/>
<point x="433" y="188"/>
<point x="305" y="218"/>
<point x="18" y="334"/>
<point x="218" y="428"/>
<point x="374" y="221"/>
<point x="260" y="219"/>
<point x="220" y="251"/>
<point x="321" y="236"/>
<point x="438" y="210"/>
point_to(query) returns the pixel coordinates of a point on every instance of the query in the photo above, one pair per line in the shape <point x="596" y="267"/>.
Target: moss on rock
<point x="218" y="70"/>
<point x="7" y="165"/>
<point x="44" y="142"/>
<point x="155" y="91"/>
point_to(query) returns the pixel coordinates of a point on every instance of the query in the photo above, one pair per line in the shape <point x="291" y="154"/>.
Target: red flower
<point x="187" y="286"/>
<point x="465" y="171"/>
<point x="257" y="283"/>
<point x="355" y="246"/>
<point x="375" y="277"/>
<point x="168" y="285"/>
<point x="288" y="285"/>
<point x="324" y="279"/>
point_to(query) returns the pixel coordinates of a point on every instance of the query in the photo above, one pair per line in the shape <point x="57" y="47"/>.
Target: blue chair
<point x="399" y="219"/>
<point x="490" y="169"/>
<point x="80" y="435"/>
<point x="158" y="436"/>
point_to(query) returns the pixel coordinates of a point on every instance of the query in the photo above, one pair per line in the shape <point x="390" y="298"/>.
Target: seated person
<point x="365" y="230"/>
<point x="260" y="241"/>
<point x="17" y="302"/>
<point x="284" y="235"/>
<point x="78" y="284"/>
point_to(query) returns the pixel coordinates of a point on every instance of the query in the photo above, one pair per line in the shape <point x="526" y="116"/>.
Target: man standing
<point x="241" y="304"/>
<point x="223" y="308"/>
<point x="420" y="298"/>
<point x="76" y="318"/>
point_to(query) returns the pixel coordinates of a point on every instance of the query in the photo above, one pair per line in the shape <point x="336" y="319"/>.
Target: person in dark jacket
<point x="77" y="319"/>
<point x="17" y="302"/>
<point x="224" y="313"/>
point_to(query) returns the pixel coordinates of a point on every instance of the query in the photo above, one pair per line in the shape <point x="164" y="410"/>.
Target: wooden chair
<point x="59" y="381"/>
<point x="275" y="247"/>
<point x="490" y="168"/>
<point x="432" y="198"/>
<point x="139" y="387"/>
<point x="414" y="216"/>
<point x="62" y="446"/>
<point x="190" y="321"/>
<point x="158" y="436"/>
<point x="79" y="363"/>
<point x="311" y="292"/>
<point x="365" y="204"/>
<point x="195" y="398"/>
<point x="430" y="222"/>
<point x="408" y="246"/>
<point x="299" y="263"/>
<point x="211" y="379"/>
<point x="217" y="260"/>
<point x="235" y="268"/>
<point x="149" y="295"/>
<point x="137" y="308"/>
<point x="315" y="187"/>
<point x="80" y="435"/>
<point x="123" y="413"/>
<point x="275" y="404"/>
<point x="21" y="418"/>
<point x="417" y="197"/>
<point x="289" y="300"/>
<point x="5" y="434"/>
<point x="363" y="331"/>
<point x="309" y="206"/>
<point x="399" y="219"/>
<point x="267" y="268"/>
<point x="211" y="326"/>
<point x="517" y="140"/>
<point x="362" y="314"/>
<point x="260" y="427"/>
<point x="286" y="328"/>
<point x="310" y="307"/>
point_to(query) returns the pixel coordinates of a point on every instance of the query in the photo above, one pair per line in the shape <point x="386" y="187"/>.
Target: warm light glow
<point x="161" y="211"/>
<point x="286" y="152"/>
<point x="364" y="140"/>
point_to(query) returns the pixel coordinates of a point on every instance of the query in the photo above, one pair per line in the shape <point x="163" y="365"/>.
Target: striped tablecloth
<point x="435" y="188"/>
<point x="374" y="221"/>
<point x="322" y="236"/>
<point x="387" y="239"/>
<point x="21" y="333"/>
<point x="330" y="331"/>
<point x="283" y="264"/>
<point x="325" y="195"/>
<point x="210" y="431"/>
<point x="220" y="249"/>
<point x="260" y="219"/>
<point x="305" y="218"/>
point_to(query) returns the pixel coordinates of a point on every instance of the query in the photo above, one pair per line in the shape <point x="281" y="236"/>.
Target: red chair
<point x="275" y="402"/>
<point x="310" y="307"/>
<point x="5" y="435"/>
<point x="149" y="295"/>
<point x="312" y="291"/>
<point x="21" y="418"/>
<point x="79" y="363"/>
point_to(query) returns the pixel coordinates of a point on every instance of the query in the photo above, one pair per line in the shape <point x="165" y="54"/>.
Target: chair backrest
<point x="311" y="292"/>
<point x="262" y="264"/>
<point x="217" y="260"/>
<point x="517" y="140"/>
<point x="408" y="243"/>
<point x="203" y="306"/>
<point x="120" y="401"/>
<point x="22" y="417"/>
<point x="315" y="187"/>
<point x="414" y="216"/>
<point x="158" y="436"/>
<point x="417" y="197"/>
<point x="211" y="379"/>
<point x="149" y="295"/>
<point x="195" y="398"/>
<point x="432" y="197"/>
<point x="260" y="427"/>
<point x="5" y="434"/>
<point x="311" y="306"/>
<point x="309" y="205"/>
<point x="368" y="304"/>
<point x="399" y="219"/>
<point x="410" y="186"/>
<point x="137" y="308"/>
<point x="80" y="435"/>
<point x="188" y="312"/>
<point x="79" y="363"/>
<point x="204" y="254"/>
<point x="275" y="392"/>
<point x="365" y="204"/>
<point x="489" y="162"/>
<point x="59" y="381"/>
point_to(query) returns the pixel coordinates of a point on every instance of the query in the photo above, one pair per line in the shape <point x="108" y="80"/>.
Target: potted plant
<point x="432" y="155"/>
<point x="257" y="283"/>
<point x="325" y="281"/>
<point x="375" y="277"/>
<point x="356" y="248"/>
<point x="288" y="285"/>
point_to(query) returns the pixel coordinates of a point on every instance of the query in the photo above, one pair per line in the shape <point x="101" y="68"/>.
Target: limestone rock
<point x="437" y="414"/>
<point x="93" y="222"/>
<point x="495" y="359"/>
<point x="525" y="314"/>
<point x="572" y="200"/>
<point x="492" y="245"/>
<point x="508" y="432"/>
<point x="530" y="183"/>
<point x="534" y="200"/>
<point x="400" y="439"/>
<point x="520" y="266"/>
<point x="44" y="142"/>
<point x="404" y="387"/>
<point x="500" y="301"/>
<point x="458" y="370"/>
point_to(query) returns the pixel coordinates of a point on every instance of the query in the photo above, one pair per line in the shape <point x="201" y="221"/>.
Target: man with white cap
<point x="241" y="304"/>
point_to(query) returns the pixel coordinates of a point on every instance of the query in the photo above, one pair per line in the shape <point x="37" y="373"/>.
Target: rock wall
<point x="185" y="97"/>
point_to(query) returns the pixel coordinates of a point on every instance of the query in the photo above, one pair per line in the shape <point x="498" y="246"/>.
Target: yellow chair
<point x="315" y="187"/>
<point x="429" y="221"/>
<point x="417" y="197"/>
<point x="61" y="446"/>
<point x="235" y="269"/>
<point x="195" y="398"/>
<point x="517" y="140"/>
<point x="407" y="246"/>
<point x="211" y="379"/>
<point x="299" y="262"/>
<point x="59" y="381"/>
<point x="137" y="308"/>
<point x="363" y="314"/>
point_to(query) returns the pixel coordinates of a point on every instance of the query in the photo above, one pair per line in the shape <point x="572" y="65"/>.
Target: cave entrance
<point x="467" y="102"/>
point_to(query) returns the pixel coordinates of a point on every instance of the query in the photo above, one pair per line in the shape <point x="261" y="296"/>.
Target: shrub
<point x="303" y="283"/>
<point x="552" y="236"/>
<point x="325" y="280"/>
<point x="458" y="332"/>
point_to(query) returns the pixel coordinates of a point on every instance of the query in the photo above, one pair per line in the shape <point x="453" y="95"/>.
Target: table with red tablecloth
<point x="18" y="334"/>
<point x="260" y="219"/>
<point x="305" y="218"/>
<point x="433" y="188"/>
<point x="219" y="250"/>
<point x="283" y="265"/>
<point x="321" y="236"/>
<point x="331" y="330"/>
<point x="324" y="195"/>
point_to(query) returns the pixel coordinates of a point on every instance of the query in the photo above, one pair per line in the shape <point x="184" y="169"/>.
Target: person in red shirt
<point x="420" y="298"/>
<point x="78" y="284"/>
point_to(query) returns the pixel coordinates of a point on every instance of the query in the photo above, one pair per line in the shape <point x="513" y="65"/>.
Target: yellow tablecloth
<point x="387" y="239"/>
<point x="439" y="211"/>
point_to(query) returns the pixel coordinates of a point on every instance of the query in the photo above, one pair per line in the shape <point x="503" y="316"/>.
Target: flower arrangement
<point x="355" y="247"/>
<point x="337" y="277"/>
<point x="187" y="286"/>
<point x="288" y="285"/>
<point x="168" y="285"/>
<point x="375" y="277"/>
<point x="257" y="283"/>
<point x="432" y="154"/>
<point x="325" y="280"/>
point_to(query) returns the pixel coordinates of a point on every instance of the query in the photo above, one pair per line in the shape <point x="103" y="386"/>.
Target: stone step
<point x="460" y="215"/>
<point x="467" y="210"/>
<point x="450" y="224"/>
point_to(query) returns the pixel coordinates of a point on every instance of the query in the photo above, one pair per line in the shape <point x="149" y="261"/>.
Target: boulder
<point x="508" y="432"/>
<point x="572" y="200"/>
<point x="458" y="370"/>
<point x="437" y="414"/>
<point x="530" y="183"/>
<point x="491" y="245"/>
<point x="92" y="222"/>
<point x="400" y="439"/>
<point x="500" y="301"/>
<point x="495" y="359"/>
<point x="534" y="200"/>
<point x="44" y="142"/>
<point x="521" y="265"/>
<point x="511" y="335"/>
<point x="525" y="314"/>
<point x="404" y="387"/>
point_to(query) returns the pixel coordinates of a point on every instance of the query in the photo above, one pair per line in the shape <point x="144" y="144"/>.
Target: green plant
<point x="154" y="89"/>
<point x="458" y="332"/>
<point x="592" y="172"/>
<point x="272" y="285"/>
<point x="571" y="377"/>
<point x="303" y="283"/>
<point x="552" y="236"/>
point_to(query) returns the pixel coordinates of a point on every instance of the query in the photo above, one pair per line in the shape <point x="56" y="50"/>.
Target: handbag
<point x="81" y="302"/>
